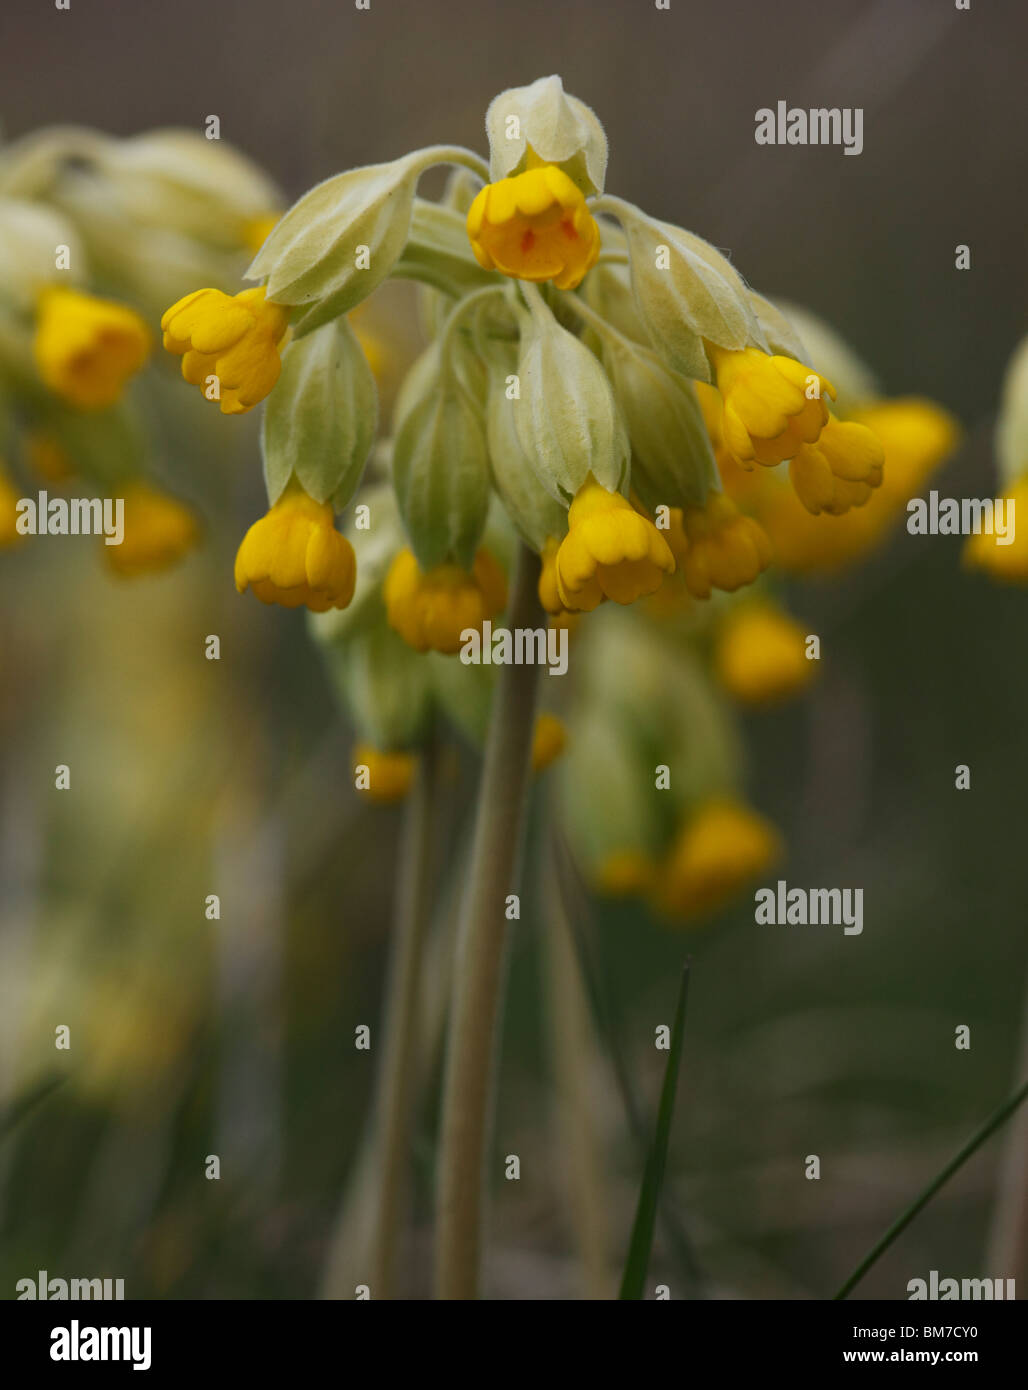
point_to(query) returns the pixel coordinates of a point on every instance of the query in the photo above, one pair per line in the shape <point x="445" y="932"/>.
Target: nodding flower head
<point x="390" y="772"/>
<point x="717" y="547"/>
<point x="294" y="556"/>
<point x="840" y="471"/>
<point x="230" y="340"/>
<point x="535" y="226"/>
<point x="610" y="551"/>
<point x="87" y="348"/>
<point x="159" y="529"/>
<point x="431" y="608"/>
<point x="771" y="404"/>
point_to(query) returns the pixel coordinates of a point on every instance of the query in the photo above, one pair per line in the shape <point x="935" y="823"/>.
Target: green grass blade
<point x="989" y="1128"/>
<point x="638" y="1260"/>
<point x="26" y="1102"/>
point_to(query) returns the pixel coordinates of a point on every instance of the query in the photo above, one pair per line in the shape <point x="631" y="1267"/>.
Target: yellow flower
<point x="87" y="348"/>
<point x="9" y="534"/>
<point x="294" y="555"/>
<point x="840" y="471"/>
<point x="535" y="226"/>
<point x="718" y="850"/>
<point x="159" y="530"/>
<point x="1007" y="563"/>
<point x="716" y="546"/>
<point x="431" y="608"/>
<point x="915" y="434"/>
<point x="390" y="774"/>
<point x="760" y="656"/>
<point x="548" y="740"/>
<point x="625" y="873"/>
<point x="767" y="412"/>
<point x="233" y="338"/>
<point x="610" y="551"/>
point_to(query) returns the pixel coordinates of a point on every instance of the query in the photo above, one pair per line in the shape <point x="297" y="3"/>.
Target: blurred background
<point x="189" y="777"/>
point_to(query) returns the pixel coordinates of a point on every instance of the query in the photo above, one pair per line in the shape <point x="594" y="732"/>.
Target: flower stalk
<point x="478" y="982"/>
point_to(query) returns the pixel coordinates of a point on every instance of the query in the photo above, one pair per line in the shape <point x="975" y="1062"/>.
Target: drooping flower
<point x="535" y="226"/>
<point x="431" y="608"/>
<point x="231" y="338"/>
<point x="390" y="772"/>
<point x="720" y="848"/>
<point x="548" y="740"/>
<point x="771" y="404"/>
<point x="86" y="348"/>
<point x="1007" y="562"/>
<point x="716" y="546"/>
<point x="159" y="529"/>
<point x="610" y="551"/>
<point x="840" y="471"/>
<point x="294" y="555"/>
<point x="760" y="654"/>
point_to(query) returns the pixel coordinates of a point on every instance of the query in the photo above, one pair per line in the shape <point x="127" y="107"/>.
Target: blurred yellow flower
<point x="548" y="740"/>
<point x="46" y="456"/>
<point x="625" y="873"/>
<point x="234" y="339"/>
<point x="760" y="654"/>
<point x="390" y="773"/>
<point x="535" y="226"/>
<point x="9" y="534"/>
<point x="1007" y="563"/>
<point x="159" y="529"/>
<point x="716" y="547"/>
<point x="723" y="846"/>
<point x="768" y="408"/>
<point x="294" y="555"/>
<point x="610" y="551"/>
<point x="87" y="348"/>
<point x="431" y="608"/>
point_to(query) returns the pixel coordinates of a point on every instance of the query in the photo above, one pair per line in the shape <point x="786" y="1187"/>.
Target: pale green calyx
<point x="541" y="120"/>
<point x="565" y="414"/>
<point x="340" y="241"/>
<point x="686" y="292"/>
<point x="535" y="514"/>
<point x="31" y="242"/>
<point x="320" y="421"/>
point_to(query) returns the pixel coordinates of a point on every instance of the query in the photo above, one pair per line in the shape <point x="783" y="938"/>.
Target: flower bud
<point x="541" y="124"/>
<point x="535" y="514"/>
<point x="567" y="419"/>
<point x="440" y="462"/>
<point x="686" y="292"/>
<point x="320" y="420"/>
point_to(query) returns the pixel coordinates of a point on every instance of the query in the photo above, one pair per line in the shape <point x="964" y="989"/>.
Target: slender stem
<point x="899" y="1226"/>
<point x="478" y="981"/>
<point x="394" y="1101"/>
<point x="1007" y="1245"/>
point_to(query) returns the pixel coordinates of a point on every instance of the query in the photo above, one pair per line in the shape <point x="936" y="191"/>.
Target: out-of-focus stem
<point x="478" y="979"/>
<point x="1007" y="1250"/>
<point x="395" y="1097"/>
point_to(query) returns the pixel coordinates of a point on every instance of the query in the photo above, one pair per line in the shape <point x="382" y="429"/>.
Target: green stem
<point x="394" y="1102"/>
<point x="478" y="982"/>
<point x="900" y="1225"/>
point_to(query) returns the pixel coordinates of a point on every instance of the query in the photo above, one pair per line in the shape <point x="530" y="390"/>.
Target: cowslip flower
<point x="159" y="529"/>
<point x="717" y="547"/>
<point x="86" y="348"/>
<point x="760" y="654"/>
<point x="294" y="555"/>
<point x="431" y="608"/>
<point x="535" y="226"/>
<point x="549" y="738"/>
<point x="233" y="338"/>
<point x="390" y="772"/>
<point x="610" y="551"/>
<point x="9" y="534"/>
<point x="720" y="848"/>
<point x="1007" y="563"/>
<point x="840" y="471"/>
<point x="771" y="404"/>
